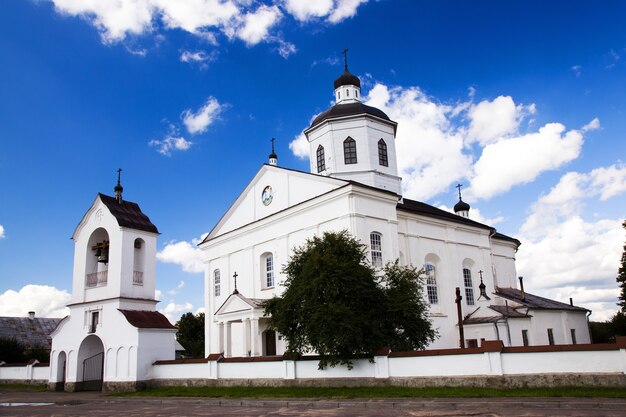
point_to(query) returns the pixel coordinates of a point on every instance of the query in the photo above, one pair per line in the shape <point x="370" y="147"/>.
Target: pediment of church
<point x="237" y="304"/>
<point x="272" y="189"/>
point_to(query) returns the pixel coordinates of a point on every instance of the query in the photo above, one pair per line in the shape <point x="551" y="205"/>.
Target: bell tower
<point x="353" y="141"/>
<point x="114" y="251"/>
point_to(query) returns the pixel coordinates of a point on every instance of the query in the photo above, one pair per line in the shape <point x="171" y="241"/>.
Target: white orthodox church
<point x="353" y="184"/>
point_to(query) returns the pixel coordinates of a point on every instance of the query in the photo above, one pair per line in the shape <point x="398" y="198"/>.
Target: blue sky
<point x="521" y="101"/>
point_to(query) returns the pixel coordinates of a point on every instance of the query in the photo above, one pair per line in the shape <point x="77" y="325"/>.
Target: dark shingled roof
<point x="147" y="319"/>
<point x="128" y="214"/>
<point x="427" y="210"/>
<point x="28" y="331"/>
<point x="534" y="301"/>
<point x="349" y="109"/>
<point x="509" y="312"/>
<point x="347" y="79"/>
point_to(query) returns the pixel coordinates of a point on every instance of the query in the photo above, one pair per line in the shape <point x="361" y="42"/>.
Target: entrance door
<point x="270" y="343"/>
<point x="92" y="372"/>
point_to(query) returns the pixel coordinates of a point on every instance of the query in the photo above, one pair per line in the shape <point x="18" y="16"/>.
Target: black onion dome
<point x="273" y="155"/>
<point x="349" y="109"/>
<point x="347" y="79"/>
<point x="461" y="206"/>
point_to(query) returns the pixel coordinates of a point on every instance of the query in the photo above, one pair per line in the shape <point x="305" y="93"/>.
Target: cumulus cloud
<point x="173" y="311"/>
<point x="493" y="120"/>
<point x="565" y="255"/>
<point x="522" y="159"/>
<point x="2" y="232"/>
<point x="248" y="21"/>
<point x="592" y="125"/>
<point x="182" y="253"/>
<point x="199" y="121"/>
<point x="44" y="300"/>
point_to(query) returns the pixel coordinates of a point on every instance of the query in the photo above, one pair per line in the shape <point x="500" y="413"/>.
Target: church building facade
<point x="353" y="185"/>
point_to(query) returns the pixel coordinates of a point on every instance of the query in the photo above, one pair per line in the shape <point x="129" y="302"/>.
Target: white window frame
<point x="469" y="289"/>
<point x="268" y="270"/>
<point x="217" y="282"/>
<point x="431" y="283"/>
<point x="376" y="249"/>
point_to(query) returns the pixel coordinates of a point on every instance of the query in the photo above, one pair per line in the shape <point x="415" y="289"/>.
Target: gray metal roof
<point x="28" y="331"/>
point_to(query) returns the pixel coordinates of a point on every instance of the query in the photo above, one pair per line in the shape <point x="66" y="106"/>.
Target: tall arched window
<point x="431" y="284"/>
<point x="217" y="283"/>
<point x="382" y="153"/>
<point x="267" y="269"/>
<point x="349" y="151"/>
<point x="469" y="288"/>
<point x="138" y="261"/>
<point x="376" y="249"/>
<point x="321" y="161"/>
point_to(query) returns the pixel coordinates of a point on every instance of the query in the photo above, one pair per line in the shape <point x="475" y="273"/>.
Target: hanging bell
<point x="103" y="257"/>
<point x="98" y="253"/>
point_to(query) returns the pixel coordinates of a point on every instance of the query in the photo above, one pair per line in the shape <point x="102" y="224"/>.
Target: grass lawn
<point x="23" y="387"/>
<point x="377" y="392"/>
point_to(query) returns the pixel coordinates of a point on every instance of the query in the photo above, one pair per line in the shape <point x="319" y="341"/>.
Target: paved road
<point x="14" y="403"/>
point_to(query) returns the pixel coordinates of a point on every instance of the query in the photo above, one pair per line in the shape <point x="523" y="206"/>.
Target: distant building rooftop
<point x="29" y="331"/>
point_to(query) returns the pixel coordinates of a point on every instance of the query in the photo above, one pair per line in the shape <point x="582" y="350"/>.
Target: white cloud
<point x="113" y="19"/>
<point x="184" y="254"/>
<point x="170" y="143"/>
<point x="577" y="69"/>
<point x="173" y="311"/>
<point x="334" y="10"/>
<point x="300" y="146"/>
<point x="521" y="159"/>
<point x="44" y="300"/>
<point x="249" y="21"/>
<point x="199" y="121"/>
<point x="592" y="125"/>
<point x="200" y="58"/>
<point x="158" y="294"/>
<point x="2" y="235"/>
<point x="428" y="145"/>
<point x="493" y="120"/>
<point x="255" y="26"/>
<point x="564" y="255"/>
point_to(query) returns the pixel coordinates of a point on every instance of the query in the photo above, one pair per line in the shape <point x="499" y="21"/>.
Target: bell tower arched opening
<point x="139" y="261"/>
<point x="97" y="259"/>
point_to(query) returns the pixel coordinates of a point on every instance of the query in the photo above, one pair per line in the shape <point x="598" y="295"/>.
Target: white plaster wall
<point x="154" y="344"/>
<point x="308" y="369"/>
<point x="563" y="362"/>
<point x="244" y="370"/>
<point x="180" y="371"/>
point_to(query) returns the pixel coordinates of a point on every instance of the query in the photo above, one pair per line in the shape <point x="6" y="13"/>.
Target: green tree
<point x="334" y="304"/>
<point x="621" y="278"/>
<point x="11" y="350"/>
<point x="406" y="323"/>
<point x="190" y="334"/>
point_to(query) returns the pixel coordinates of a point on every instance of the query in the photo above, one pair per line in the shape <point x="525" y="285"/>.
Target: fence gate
<point x="93" y="369"/>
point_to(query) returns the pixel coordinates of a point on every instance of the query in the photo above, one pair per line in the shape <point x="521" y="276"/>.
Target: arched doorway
<point x="61" y="366"/>
<point x="269" y="343"/>
<point x="90" y="364"/>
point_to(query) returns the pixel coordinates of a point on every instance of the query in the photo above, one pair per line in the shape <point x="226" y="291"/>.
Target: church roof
<point x="29" y="331"/>
<point x="147" y="319"/>
<point x="349" y="109"/>
<point x="535" y="301"/>
<point x="430" y="211"/>
<point x="128" y="214"/>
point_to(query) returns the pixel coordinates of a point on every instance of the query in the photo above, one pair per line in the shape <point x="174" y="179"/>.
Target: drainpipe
<point x="589" y="327"/>
<point x="521" y="287"/>
<point x="506" y="321"/>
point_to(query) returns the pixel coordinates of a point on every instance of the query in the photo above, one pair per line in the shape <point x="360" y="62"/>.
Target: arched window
<point x="138" y="261"/>
<point x="267" y="269"/>
<point x="321" y="161"/>
<point x="469" y="288"/>
<point x="349" y="151"/>
<point x="382" y="153"/>
<point x="376" y="249"/>
<point x="431" y="284"/>
<point x="217" y="283"/>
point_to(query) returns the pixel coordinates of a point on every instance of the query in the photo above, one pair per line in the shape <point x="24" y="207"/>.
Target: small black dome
<point x="273" y="155"/>
<point x="461" y="206"/>
<point x="118" y="187"/>
<point x="347" y="79"/>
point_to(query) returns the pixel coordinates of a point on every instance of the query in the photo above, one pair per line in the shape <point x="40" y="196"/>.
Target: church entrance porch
<point x="90" y="372"/>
